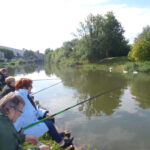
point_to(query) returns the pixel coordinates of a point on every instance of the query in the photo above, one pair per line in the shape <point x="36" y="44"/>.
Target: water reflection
<point x="25" y="69"/>
<point x="140" y="89"/>
<point x="90" y="83"/>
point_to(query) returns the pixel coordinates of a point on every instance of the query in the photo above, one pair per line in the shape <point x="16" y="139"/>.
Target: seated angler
<point x="32" y="114"/>
<point x="9" y="87"/>
<point x="3" y="75"/>
<point x="11" y="107"/>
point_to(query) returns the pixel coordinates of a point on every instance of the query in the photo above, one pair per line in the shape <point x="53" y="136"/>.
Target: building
<point x="2" y="55"/>
<point x="15" y="51"/>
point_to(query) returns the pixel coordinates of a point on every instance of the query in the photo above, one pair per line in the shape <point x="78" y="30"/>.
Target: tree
<point x="48" y="55"/>
<point x="114" y="43"/>
<point x="7" y="53"/>
<point x="141" y="48"/>
<point x="28" y="54"/>
<point x="91" y="33"/>
<point x="103" y="37"/>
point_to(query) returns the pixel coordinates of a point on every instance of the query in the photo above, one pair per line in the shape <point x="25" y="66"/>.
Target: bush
<point x="1" y="60"/>
<point x="140" y="50"/>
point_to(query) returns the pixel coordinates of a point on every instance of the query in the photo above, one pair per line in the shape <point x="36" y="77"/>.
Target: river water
<point x="119" y="120"/>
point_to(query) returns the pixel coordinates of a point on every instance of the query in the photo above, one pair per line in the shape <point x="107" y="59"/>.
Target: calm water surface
<point x="117" y="121"/>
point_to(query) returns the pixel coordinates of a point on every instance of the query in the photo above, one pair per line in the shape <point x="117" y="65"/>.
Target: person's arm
<point x="42" y="112"/>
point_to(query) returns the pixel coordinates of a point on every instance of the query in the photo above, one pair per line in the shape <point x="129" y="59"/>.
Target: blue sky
<point x="133" y="3"/>
<point x="129" y="3"/>
<point x="41" y="24"/>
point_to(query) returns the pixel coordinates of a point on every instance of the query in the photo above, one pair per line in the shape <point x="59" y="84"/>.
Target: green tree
<point x="103" y="37"/>
<point x="141" y="48"/>
<point x="97" y="37"/>
<point x="90" y="33"/>
<point x="48" y="55"/>
<point x="114" y="43"/>
<point x="7" y="53"/>
<point x="28" y="54"/>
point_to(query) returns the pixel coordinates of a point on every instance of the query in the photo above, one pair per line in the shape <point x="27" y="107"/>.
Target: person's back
<point x="11" y="107"/>
<point x="9" y="138"/>
<point x="9" y="87"/>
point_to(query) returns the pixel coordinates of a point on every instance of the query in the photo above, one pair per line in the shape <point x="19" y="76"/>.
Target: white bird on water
<point x="125" y="71"/>
<point x="135" y="72"/>
<point x="110" y="69"/>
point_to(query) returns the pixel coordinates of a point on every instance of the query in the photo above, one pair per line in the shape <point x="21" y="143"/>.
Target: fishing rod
<point x="44" y="79"/>
<point x="45" y="88"/>
<point x="46" y="118"/>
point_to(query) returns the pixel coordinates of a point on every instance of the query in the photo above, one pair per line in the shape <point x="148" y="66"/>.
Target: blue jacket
<point x="30" y="115"/>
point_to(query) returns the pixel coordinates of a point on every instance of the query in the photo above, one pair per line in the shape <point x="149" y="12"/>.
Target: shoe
<point x="67" y="142"/>
<point x="65" y="133"/>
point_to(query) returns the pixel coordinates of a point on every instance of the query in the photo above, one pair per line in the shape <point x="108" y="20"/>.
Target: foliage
<point x="141" y="48"/>
<point x="138" y="66"/>
<point x="7" y="53"/>
<point x="98" y="37"/>
<point x="1" y="60"/>
<point x="29" y="54"/>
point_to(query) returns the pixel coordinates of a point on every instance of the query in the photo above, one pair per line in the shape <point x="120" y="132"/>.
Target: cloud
<point x="39" y="24"/>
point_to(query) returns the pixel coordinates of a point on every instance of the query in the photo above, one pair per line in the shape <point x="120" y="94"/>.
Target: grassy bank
<point x="12" y="63"/>
<point x="116" y="63"/>
<point x="46" y="139"/>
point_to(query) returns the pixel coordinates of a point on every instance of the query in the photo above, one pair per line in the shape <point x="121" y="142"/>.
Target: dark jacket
<point x="2" y="79"/>
<point x="7" y="88"/>
<point x="9" y="138"/>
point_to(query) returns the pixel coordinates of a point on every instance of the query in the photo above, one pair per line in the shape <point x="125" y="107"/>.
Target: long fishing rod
<point x="44" y="79"/>
<point x="46" y="118"/>
<point x="45" y="88"/>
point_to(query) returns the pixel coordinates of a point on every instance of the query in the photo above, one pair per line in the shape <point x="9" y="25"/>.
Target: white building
<point x="15" y="51"/>
<point x="2" y="55"/>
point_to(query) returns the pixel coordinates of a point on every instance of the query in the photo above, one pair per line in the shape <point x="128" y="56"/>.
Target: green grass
<point x="117" y="64"/>
<point x="46" y="139"/>
<point x="138" y="66"/>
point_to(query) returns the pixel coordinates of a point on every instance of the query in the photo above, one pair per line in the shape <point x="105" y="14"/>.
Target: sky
<point x="41" y="24"/>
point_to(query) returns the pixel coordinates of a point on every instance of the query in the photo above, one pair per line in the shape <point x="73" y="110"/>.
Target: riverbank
<point x="118" y="64"/>
<point x="12" y="63"/>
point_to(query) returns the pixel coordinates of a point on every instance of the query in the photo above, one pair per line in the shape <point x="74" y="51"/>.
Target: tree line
<point x="27" y="54"/>
<point x="99" y="37"/>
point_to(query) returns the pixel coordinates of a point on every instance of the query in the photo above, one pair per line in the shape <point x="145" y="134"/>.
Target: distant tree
<point x="29" y="54"/>
<point x="141" y="48"/>
<point x="48" y="55"/>
<point x="7" y="53"/>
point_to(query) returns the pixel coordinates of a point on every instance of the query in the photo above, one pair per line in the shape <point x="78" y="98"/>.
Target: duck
<point x="110" y="69"/>
<point x="135" y="72"/>
<point x="125" y="71"/>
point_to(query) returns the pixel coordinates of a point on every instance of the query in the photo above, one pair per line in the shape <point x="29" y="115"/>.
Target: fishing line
<point x="45" y="88"/>
<point x="44" y="79"/>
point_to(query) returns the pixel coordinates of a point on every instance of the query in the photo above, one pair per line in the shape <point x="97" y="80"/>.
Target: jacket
<point x="30" y="115"/>
<point x="2" y="79"/>
<point x="7" y="88"/>
<point x="9" y="138"/>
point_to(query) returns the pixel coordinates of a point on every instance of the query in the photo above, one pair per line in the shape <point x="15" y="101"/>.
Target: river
<point x="119" y="120"/>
